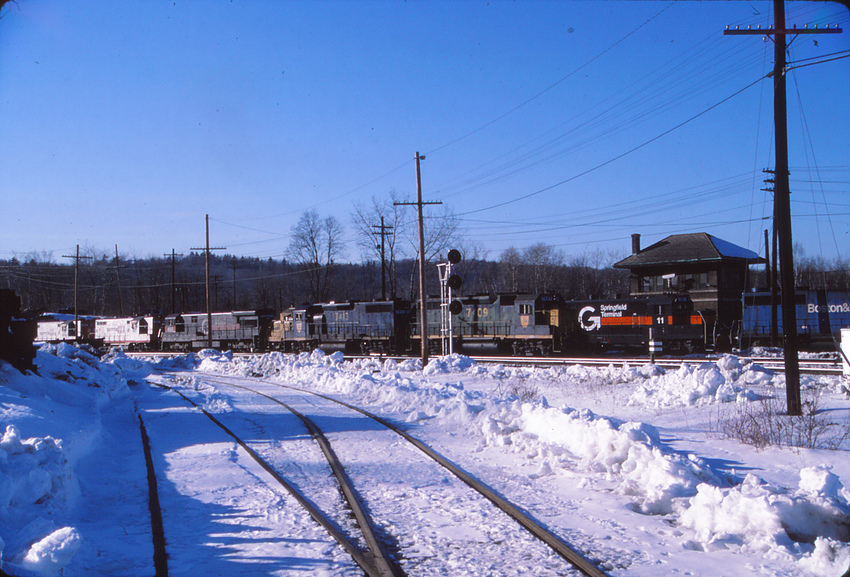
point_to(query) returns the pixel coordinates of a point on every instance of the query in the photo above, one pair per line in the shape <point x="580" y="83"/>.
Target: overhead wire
<point x="617" y="157"/>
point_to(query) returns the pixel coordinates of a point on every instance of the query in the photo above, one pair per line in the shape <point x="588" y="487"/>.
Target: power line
<point x="618" y="157"/>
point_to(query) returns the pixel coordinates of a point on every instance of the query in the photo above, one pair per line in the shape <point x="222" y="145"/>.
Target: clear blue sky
<point x="125" y="122"/>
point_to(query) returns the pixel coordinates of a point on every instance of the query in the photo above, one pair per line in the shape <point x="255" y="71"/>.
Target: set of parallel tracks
<point x="807" y="366"/>
<point x="376" y="561"/>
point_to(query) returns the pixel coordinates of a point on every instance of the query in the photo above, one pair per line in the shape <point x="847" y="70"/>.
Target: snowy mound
<point x="787" y="508"/>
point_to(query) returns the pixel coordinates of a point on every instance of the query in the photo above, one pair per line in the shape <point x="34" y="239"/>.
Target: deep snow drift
<point x="646" y="440"/>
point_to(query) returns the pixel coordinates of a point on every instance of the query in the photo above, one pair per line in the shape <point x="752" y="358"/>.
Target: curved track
<point x="378" y="494"/>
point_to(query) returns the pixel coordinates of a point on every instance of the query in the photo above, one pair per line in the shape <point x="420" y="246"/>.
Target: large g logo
<point x="588" y="322"/>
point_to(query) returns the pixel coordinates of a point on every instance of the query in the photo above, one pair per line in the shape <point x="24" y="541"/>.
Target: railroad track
<point x="457" y="518"/>
<point x="807" y="366"/>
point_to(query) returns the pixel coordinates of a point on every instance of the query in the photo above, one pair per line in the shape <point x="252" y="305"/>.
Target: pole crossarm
<point x="76" y="258"/>
<point x="787" y="31"/>
<point x="782" y="195"/>
<point x="383" y="233"/>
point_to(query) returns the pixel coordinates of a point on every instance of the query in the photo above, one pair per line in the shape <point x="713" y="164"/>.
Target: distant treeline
<point x="249" y="283"/>
<point x="238" y="283"/>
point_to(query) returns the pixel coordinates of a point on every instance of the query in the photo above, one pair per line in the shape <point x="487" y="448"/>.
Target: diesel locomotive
<point x="507" y="324"/>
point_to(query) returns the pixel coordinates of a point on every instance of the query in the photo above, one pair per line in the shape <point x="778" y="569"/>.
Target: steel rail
<point x="160" y="555"/>
<point x="365" y="561"/>
<point x="572" y="556"/>
<point x="383" y="562"/>
<point x="808" y="366"/>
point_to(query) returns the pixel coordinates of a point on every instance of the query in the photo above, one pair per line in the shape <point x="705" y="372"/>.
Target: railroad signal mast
<point x="448" y="307"/>
<point x="782" y="194"/>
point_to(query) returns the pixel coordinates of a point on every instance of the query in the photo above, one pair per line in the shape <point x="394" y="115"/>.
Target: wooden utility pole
<point x="383" y="244"/>
<point x="173" y="255"/>
<point x="207" y="250"/>
<point x="782" y="198"/>
<point x="772" y="269"/>
<point x="76" y="284"/>
<point x="423" y="298"/>
<point x="118" y="279"/>
<point x="233" y="264"/>
<point x="771" y="285"/>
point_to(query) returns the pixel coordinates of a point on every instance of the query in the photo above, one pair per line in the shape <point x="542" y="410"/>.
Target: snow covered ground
<point x="629" y="464"/>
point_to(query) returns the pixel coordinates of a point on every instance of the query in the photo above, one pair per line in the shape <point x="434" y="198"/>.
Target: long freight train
<point x="509" y="324"/>
<point x="505" y="324"/>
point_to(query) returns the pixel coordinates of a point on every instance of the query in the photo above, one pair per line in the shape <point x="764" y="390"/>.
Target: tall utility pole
<point x="118" y="279"/>
<point x="383" y="244"/>
<point x="207" y="250"/>
<point x="782" y="199"/>
<point x="772" y="270"/>
<point x="423" y="298"/>
<point x="173" y="255"/>
<point x="233" y="264"/>
<point x="76" y="284"/>
<point x="771" y="283"/>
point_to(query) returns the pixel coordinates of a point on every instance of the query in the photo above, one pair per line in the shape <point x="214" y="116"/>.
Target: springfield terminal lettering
<point x="592" y="322"/>
<point x="613" y="310"/>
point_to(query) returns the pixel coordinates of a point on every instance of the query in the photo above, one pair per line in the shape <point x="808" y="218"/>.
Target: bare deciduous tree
<point x="510" y="263"/>
<point x="367" y="220"/>
<point x="542" y="260"/>
<point x="316" y="245"/>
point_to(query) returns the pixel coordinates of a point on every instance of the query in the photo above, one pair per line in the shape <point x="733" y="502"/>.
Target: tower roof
<point x="688" y="248"/>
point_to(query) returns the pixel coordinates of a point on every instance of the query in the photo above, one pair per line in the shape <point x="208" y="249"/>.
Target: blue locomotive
<point x="820" y="316"/>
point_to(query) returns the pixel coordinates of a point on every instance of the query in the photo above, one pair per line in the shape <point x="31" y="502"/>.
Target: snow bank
<point x="808" y="523"/>
<point x="60" y="407"/>
<point x="726" y="380"/>
<point x="51" y="420"/>
<point x="758" y="518"/>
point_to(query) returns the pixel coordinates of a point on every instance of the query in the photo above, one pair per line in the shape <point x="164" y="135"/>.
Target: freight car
<point x="236" y="330"/>
<point x="352" y="327"/>
<point x="820" y="315"/>
<point x="142" y="333"/>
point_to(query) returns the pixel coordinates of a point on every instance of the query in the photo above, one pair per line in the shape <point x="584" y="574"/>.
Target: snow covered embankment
<point x="809" y="524"/>
<point x="38" y="486"/>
